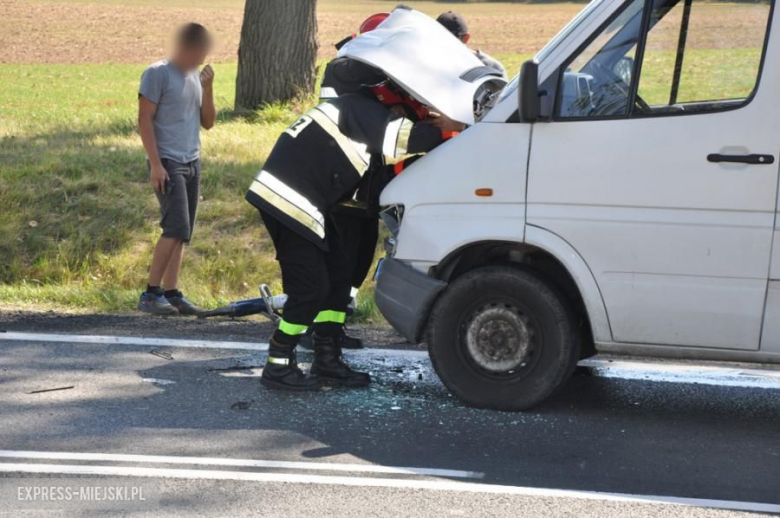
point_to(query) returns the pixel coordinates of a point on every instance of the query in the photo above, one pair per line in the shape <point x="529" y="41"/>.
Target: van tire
<point x="503" y="338"/>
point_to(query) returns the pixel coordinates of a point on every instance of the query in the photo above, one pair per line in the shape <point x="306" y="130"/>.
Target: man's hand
<point x="444" y="123"/>
<point x="208" y="113"/>
<point x="207" y="77"/>
<point x="158" y="176"/>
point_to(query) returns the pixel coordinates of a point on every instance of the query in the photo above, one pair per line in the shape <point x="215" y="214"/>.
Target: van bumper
<point x="405" y="297"/>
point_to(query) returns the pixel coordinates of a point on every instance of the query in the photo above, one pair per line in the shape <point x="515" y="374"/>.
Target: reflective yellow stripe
<point x="402" y="144"/>
<point x="290" y="194"/>
<point x="278" y="361"/>
<point x="284" y="198"/>
<point x="337" y="317"/>
<point x="327" y="116"/>
<point x="391" y="137"/>
<point x="330" y="111"/>
<point x="291" y="329"/>
<point x="396" y="141"/>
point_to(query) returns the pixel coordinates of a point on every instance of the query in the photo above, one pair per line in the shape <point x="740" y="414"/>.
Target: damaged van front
<point x="469" y="190"/>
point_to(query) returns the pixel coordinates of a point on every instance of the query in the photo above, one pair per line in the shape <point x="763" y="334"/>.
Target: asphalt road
<point x="205" y="407"/>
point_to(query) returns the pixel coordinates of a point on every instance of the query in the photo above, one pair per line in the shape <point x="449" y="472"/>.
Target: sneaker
<point x="156" y="305"/>
<point x="184" y="306"/>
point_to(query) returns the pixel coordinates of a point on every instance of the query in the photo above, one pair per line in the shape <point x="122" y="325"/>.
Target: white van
<point x="620" y="196"/>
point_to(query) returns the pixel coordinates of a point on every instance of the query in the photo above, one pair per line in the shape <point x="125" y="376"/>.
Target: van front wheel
<point x="503" y="338"/>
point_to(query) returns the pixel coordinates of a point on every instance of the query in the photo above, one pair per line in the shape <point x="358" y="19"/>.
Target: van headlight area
<point x="403" y="294"/>
<point x="392" y="216"/>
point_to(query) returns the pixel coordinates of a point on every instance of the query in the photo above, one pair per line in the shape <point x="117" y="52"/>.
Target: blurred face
<point x="190" y="57"/>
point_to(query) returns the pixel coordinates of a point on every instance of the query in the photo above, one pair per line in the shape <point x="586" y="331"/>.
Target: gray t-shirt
<point x="178" y="98"/>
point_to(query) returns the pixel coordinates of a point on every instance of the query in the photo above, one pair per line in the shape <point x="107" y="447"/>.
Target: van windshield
<point x="511" y="87"/>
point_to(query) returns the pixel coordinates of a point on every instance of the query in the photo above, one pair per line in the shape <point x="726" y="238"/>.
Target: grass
<point x="79" y="219"/>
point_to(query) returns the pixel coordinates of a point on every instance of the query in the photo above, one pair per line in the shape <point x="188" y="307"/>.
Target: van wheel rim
<point x="499" y="338"/>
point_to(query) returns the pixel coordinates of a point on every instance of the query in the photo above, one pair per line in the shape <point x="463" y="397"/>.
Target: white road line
<point x="435" y="485"/>
<point x="178" y="342"/>
<point x="716" y="375"/>
<point x="247" y="463"/>
<point x="131" y="340"/>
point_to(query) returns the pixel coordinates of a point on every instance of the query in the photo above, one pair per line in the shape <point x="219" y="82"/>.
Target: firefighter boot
<point x="345" y="341"/>
<point x="281" y="370"/>
<point x="341" y="338"/>
<point x="329" y="367"/>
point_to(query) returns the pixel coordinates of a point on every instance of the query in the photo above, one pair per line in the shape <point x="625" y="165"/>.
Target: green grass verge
<point x="78" y="217"/>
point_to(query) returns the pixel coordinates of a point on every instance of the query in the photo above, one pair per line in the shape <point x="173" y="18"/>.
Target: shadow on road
<point x="598" y="434"/>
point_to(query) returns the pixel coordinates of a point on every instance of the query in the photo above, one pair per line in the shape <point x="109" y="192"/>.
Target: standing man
<point x="456" y="24"/>
<point x="174" y="101"/>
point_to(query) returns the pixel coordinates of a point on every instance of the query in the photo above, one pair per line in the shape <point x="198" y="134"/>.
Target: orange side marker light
<point x="484" y="192"/>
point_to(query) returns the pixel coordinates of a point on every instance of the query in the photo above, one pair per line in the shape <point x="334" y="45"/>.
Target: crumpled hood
<point x="426" y="60"/>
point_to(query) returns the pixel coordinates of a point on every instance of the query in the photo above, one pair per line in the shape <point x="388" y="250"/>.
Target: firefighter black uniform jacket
<point x="320" y="159"/>
<point x="348" y="76"/>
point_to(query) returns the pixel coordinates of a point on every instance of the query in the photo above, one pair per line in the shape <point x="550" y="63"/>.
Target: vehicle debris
<point x="158" y="381"/>
<point x="162" y="354"/>
<point x="236" y="368"/>
<point x="52" y="389"/>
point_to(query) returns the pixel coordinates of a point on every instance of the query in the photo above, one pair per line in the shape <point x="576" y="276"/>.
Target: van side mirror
<point x="528" y="92"/>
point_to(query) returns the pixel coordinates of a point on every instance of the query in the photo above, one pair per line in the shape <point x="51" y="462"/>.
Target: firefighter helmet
<point x="368" y="25"/>
<point x="389" y="94"/>
<point x="371" y="23"/>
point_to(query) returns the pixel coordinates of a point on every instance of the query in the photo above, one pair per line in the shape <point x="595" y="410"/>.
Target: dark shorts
<point x="179" y="204"/>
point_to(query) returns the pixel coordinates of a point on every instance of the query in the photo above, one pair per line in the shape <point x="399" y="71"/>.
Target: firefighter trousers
<point x="317" y="283"/>
<point x="359" y="235"/>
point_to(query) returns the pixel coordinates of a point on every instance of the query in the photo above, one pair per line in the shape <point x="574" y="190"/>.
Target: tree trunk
<point x="277" y="55"/>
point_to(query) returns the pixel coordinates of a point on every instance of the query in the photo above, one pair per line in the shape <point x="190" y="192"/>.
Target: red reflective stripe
<point x="398" y="167"/>
<point x="449" y="134"/>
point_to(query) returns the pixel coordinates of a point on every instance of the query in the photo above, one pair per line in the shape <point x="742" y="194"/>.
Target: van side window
<point x="693" y="56"/>
<point x="702" y="56"/>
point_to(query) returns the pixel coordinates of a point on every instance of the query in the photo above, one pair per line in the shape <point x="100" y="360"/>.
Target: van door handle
<point x="741" y="159"/>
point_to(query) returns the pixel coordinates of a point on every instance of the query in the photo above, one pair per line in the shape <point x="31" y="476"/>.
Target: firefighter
<point x="316" y="163"/>
<point x="354" y="221"/>
<point x="456" y="24"/>
<point x="354" y="218"/>
<point x="358" y="227"/>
